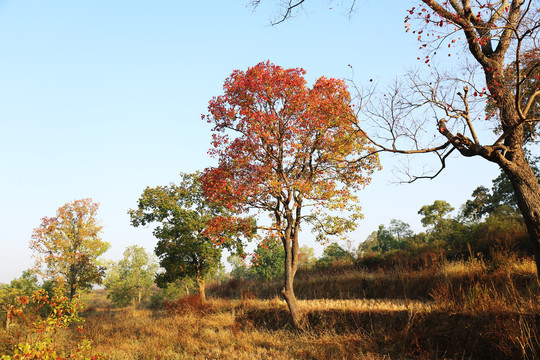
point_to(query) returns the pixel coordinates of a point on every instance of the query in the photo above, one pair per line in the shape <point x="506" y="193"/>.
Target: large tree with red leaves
<point x="290" y="151"/>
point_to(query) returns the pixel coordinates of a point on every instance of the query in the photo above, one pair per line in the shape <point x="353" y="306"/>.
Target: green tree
<point x="370" y="244"/>
<point x="69" y="245"/>
<point x="183" y="215"/>
<point x="239" y="269"/>
<point x="385" y="240"/>
<point x="501" y="198"/>
<point x="268" y="261"/>
<point x="482" y="203"/>
<point x="436" y="215"/>
<point x="400" y="230"/>
<point x="334" y="252"/>
<point x="131" y="279"/>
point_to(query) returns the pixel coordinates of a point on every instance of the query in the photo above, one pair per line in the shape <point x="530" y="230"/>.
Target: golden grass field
<point x="470" y="312"/>
<point x="474" y="313"/>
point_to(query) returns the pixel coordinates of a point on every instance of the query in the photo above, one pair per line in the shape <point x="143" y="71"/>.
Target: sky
<point x="101" y="99"/>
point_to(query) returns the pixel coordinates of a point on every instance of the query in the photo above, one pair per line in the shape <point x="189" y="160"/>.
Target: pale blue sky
<point x="103" y="98"/>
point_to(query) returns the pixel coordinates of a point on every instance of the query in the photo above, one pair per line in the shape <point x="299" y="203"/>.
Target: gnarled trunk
<point x="292" y="302"/>
<point x="527" y="191"/>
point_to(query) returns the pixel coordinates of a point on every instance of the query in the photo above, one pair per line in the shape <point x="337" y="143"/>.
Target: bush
<point x="41" y="324"/>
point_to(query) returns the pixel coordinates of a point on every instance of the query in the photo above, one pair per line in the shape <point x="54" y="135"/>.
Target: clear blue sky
<point x="103" y="98"/>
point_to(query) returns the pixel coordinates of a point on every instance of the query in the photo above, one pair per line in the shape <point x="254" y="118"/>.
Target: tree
<point x="334" y="252"/>
<point x="400" y="230"/>
<point x="183" y="215"/>
<point x="69" y="245"/>
<point x="290" y="151"/>
<point x="436" y="215"/>
<point x="131" y="279"/>
<point x="306" y="256"/>
<point x="500" y="38"/>
<point x="268" y="260"/>
<point x="501" y="198"/>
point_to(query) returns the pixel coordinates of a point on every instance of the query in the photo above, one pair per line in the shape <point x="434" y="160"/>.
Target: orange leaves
<point x="282" y="145"/>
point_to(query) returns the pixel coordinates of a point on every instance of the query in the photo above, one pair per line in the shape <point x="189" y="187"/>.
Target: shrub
<point x="40" y="325"/>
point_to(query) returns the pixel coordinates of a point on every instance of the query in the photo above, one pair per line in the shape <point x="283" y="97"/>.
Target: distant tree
<point x="290" y="151"/>
<point x="173" y="291"/>
<point x="387" y="238"/>
<point x="400" y="230"/>
<point x="68" y="245"/>
<point x="436" y="215"/>
<point x="370" y="244"/>
<point x="334" y="252"/>
<point x="183" y="216"/>
<point x="482" y="203"/>
<point x="239" y="269"/>
<point x="28" y="282"/>
<point x="306" y="256"/>
<point x="268" y="260"/>
<point x="131" y="279"/>
<point x="501" y="197"/>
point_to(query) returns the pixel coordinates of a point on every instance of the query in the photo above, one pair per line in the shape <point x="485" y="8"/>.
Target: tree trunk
<point x="202" y="294"/>
<point x="527" y="191"/>
<point x="139" y="296"/>
<point x="72" y="291"/>
<point x="290" y="243"/>
<point x="292" y="302"/>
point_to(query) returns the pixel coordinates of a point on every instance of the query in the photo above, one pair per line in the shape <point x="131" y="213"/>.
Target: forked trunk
<point x="527" y="191"/>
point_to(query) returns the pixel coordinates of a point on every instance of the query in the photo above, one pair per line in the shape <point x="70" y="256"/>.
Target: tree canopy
<point x="183" y="216"/>
<point x="69" y="244"/>
<point x="130" y="280"/>
<point x="288" y="150"/>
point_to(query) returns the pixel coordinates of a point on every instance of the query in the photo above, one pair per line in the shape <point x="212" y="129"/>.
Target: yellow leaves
<point x="70" y="242"/>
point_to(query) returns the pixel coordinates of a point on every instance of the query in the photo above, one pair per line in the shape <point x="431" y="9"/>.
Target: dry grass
<point x="338" y="329"/>
<point x="144" y="334"/>
<point x="473" y="312"/>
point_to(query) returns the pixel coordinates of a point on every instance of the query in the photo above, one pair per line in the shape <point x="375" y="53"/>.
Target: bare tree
<point x="500" y="38"/>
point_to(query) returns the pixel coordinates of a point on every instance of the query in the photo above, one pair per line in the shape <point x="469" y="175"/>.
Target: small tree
<point x="131" y="279"/>
<point x="306" y="256"/>
<point x="290" y="151"/>
<point x="68" y="245"/>
<point x="436" y="215"/>
<point x="334" y="252"/>
<point x="183" y="215"/>
<point x="268" y="260"/>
